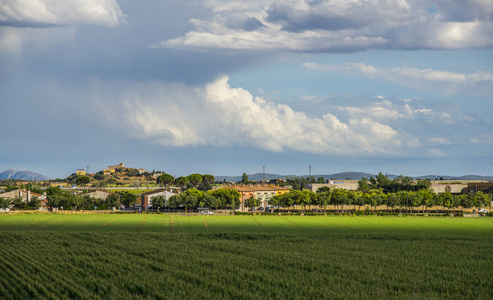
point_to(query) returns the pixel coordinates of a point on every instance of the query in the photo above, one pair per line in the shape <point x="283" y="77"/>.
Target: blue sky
<point x="224" y="87"/>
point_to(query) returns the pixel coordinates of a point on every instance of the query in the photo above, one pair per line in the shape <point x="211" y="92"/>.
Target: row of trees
<point x="191" y="198"/>
<point x="59" y="199"/>
<point x="400" y="183"/>
<point x="374" y="198"/>
<point x="17" y="203"/>
<point x="201" y="182"/>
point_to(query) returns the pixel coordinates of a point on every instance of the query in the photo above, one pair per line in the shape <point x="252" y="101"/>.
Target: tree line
<point x="192" y="197"/>
<point x="340" y="198"/>
<point x="201" y="182"/>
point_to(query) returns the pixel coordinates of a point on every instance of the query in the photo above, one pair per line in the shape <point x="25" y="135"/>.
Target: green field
<point x="246" y="257"/>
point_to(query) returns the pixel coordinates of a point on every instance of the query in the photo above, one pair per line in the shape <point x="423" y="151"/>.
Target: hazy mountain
<point x="347" y="176"/>
<point x="268" y="176"/>
<point x="465" y="177"/>
<point x="256" y="176"/>
<point x="24" y="175"/>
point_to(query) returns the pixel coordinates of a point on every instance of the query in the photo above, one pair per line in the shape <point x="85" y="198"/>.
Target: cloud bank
<point x="340" y="26"/>
<point x="220" y="115"/>
<point x="447" y="82"/>
<point x="36" y="13"/>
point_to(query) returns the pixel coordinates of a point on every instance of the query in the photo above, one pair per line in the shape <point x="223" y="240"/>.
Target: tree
<point x="5" y="202"/>
<point x="323" y="196"/>
<point x="287" y="200"/>
<point x="358" y="199"/>
<point x="204" y="186"/>
<point x="392" y="201"/>
<point x="320" y="180"/>
<point x="415" y="199"/>
<point x="113" y="200"/>
<point x="244" y="178"/>
<point x="427" y="198"/>
<point x="209" y="201"/>
<point x="18" y="203"/>
<point x="53" y="190"/>
<point x="175" y="201"/>
<point x="34" y="203"/>
<point x="165" y="179"/>
<point x="182" y="181"/>
<point x="447" y="200"/>
<point x="339" y="197"/>
<point x="100" y="176"/>
<point x="227" y="197"/>
<point x="363" y="184"/>
<point x="275" y="201"/>
<point x="195" y="179"/>
<point x="208" y="178"/>
<point x="158" y="201"/>
<point x="83" y="180"/>
<point x="252" y="202"/>
<point x="482" y="200"/>
<point x="127" y="198"/>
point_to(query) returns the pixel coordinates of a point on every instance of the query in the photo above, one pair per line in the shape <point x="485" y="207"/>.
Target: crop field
<point x="171" y="256"/>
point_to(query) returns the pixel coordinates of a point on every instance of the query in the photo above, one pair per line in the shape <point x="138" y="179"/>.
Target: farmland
<point x="164" y="256"/>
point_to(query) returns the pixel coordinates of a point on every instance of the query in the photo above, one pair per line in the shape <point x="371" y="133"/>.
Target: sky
<point x="226" y="87"/>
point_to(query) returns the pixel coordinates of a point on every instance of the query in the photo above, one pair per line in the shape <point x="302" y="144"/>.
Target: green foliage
<point x="210" y="179"/>
<point x="165" y="179"/>
<point x="181" y="181"/>
<point x="195" y="179"/>
<point x="244" y="178"/>
<point x="204" y="186"/>
<point x="127" y="198"/>
<point x="5" y="202"/>
<point x="158" y="201"/>
<point x="113" y="200"/>
<point x="400" y="183"/>
<point x="229" y="263"/>
<point x="83" y="180"/>
<point x="252" y="202"/>
<point x="18" y="203"/>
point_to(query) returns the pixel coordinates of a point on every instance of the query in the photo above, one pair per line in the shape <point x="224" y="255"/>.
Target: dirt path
<point x="205" y="222"/>
<point x="294" y="223"/>
<point x="267" y="230"/>
<point x="141" y="224"/>
<point x="106" y="223"/>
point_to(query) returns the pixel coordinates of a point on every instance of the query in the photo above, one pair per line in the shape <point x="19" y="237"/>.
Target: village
<point x="137" y="190"/>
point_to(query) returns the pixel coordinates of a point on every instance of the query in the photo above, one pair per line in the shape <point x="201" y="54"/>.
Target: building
<point x="26" y="196"/>
<point x="98" y="194"/>
<point x="261" y="192"/>
<point x="485" y="187"/>
<point x="119" y="166"/>
<point x="454" y="188"/>
<point x="81" y="172"/>
<point x="146" y="198"/>
<point x="142" y="171"/>
<point x="108" y="171"/>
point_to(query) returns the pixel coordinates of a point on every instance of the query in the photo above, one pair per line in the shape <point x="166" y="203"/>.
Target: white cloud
<point x="447" y="82"/>
<point x="60" y="12"/>
<point x="220" y="115"/>
<point x="341" y="26"/>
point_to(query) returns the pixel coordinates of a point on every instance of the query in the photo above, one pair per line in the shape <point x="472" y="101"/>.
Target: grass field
<point x="245" y="257"/>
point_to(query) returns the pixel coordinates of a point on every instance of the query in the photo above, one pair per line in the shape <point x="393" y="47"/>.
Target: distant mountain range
<point x="347" y="176"/>
<point x="23" y="175"/>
